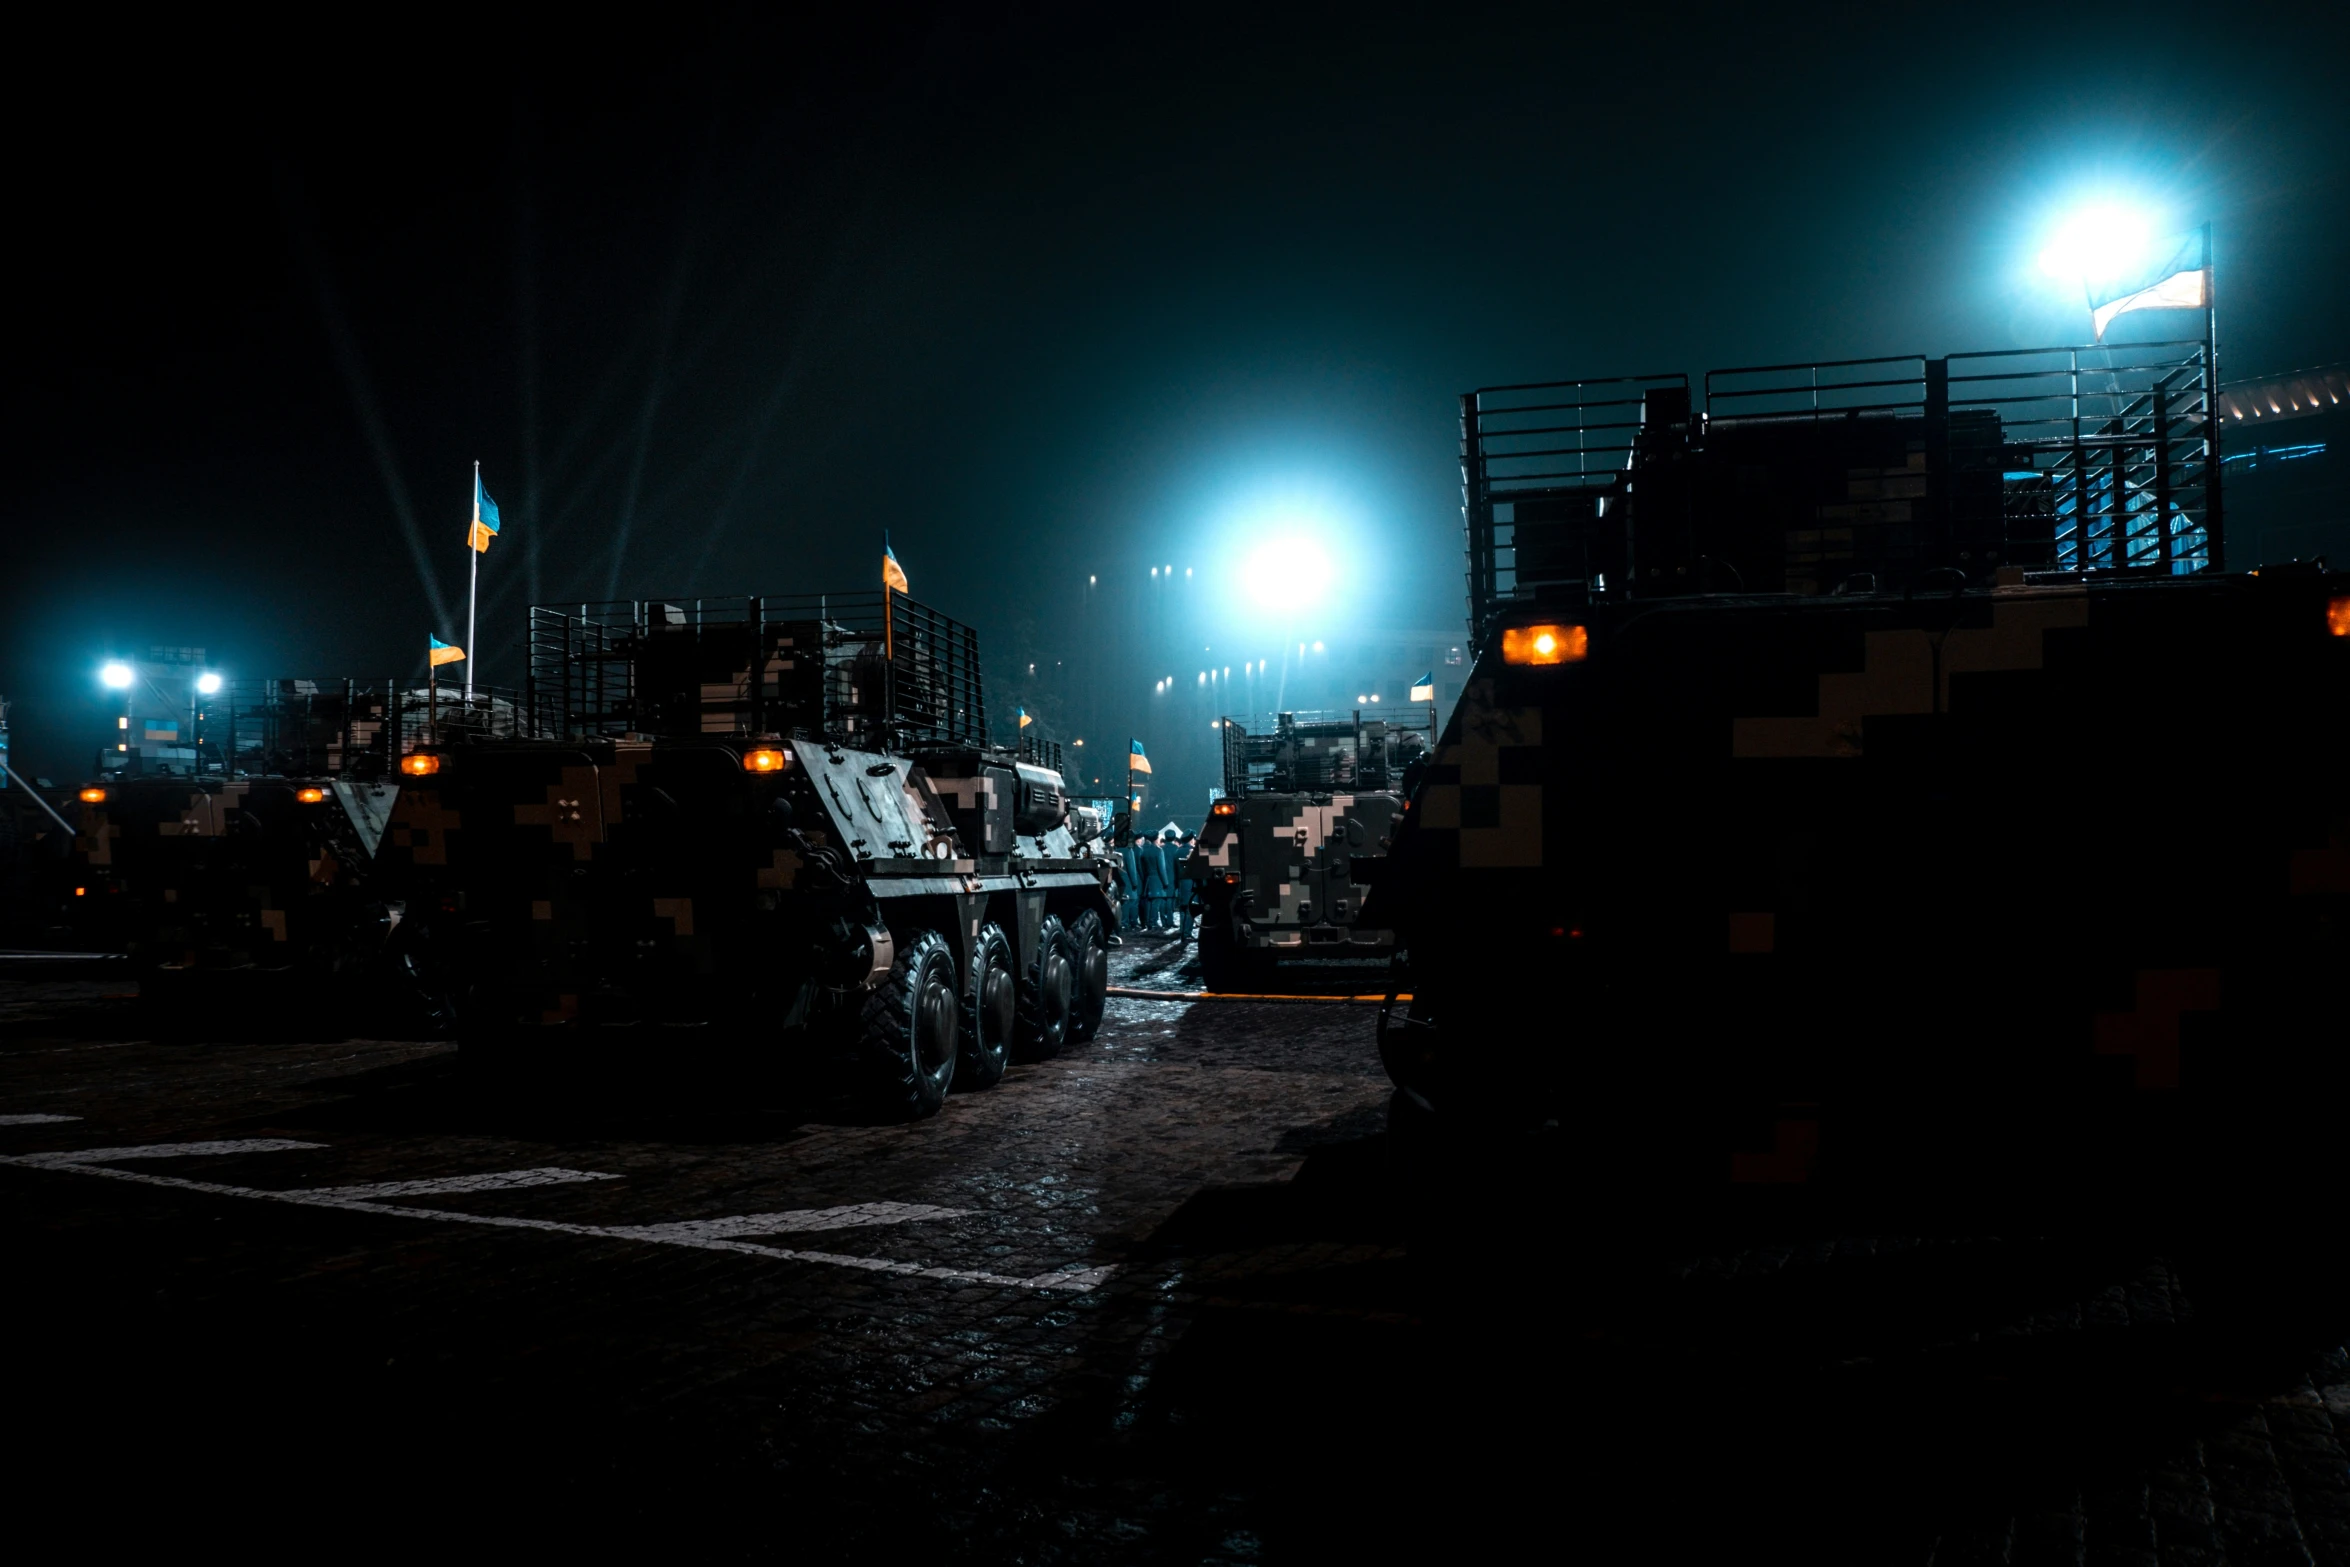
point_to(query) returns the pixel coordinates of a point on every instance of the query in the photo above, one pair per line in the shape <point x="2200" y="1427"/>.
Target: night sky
<point x="1044" y="295"/>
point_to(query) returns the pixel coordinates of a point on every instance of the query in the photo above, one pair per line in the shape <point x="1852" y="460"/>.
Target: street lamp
<point x="208" y="683"/>
<point x="117" y="675"/>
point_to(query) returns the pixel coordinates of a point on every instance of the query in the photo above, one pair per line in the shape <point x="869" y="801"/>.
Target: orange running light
<point x="2338" y="615"/>
<point x="309" y="796"/>
<point x="765" y="759"/>
<point x="93" y="797"/>
<point x="1545" y="645"/>
<point x="420" y="764"/>
<point x="81" y="892"/>
<point x="1225" y="808"/>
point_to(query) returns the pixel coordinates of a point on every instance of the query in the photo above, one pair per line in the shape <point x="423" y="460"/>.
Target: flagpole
<point x="473" y="584"/>
<point x="2214" y="517"/>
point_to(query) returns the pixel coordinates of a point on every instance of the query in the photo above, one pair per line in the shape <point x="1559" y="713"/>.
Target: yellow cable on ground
<point x="1132" y="994"/>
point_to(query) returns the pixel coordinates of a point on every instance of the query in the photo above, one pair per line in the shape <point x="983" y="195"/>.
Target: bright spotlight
<point x="208" y="683"/>
<point x="1317" y="647"/>
<point x="117" y="676"/>
<point x="2104" y="241"/>
<point x="1287" y="574"/>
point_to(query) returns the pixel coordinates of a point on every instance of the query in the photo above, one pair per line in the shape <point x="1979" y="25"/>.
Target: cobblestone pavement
<point x="1171" y="1297"/>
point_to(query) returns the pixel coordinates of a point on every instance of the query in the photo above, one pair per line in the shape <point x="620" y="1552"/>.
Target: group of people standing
<point x="1156" y="896"/>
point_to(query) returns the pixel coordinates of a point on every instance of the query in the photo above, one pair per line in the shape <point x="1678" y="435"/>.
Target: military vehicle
<point x="1303" y="800"/>
<point x="773" y="833"/>
<point x="251" y="847"/>
<point x="1870" y="772"/>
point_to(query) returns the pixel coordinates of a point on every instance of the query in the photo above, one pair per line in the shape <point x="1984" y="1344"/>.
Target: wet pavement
<point x="1173" y="1296"/>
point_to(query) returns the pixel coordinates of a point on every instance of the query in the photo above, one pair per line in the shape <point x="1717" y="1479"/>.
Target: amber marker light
<point x="420" y="764"/>
<point x="93" y="797"/>
<point x="309" y="796"/>
<point x="764" y="759"/>
<point x="2337" y="615"/>
<point x="1545" y="644"/>
<point x="1225" y="808"/>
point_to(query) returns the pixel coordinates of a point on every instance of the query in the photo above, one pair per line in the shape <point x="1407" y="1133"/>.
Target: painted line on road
<point x="460" y="1185"/>
<point x="81" y="1156"/>
<point x="700" y="1235"/>
<point x="35" y="1120"/>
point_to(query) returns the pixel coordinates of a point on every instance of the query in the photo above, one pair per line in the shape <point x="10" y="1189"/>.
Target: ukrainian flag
<point x="485" y="519"/>
<point x="1025" y="720"/>
<point x="1424" y="688"/>
<point x="441" y="653"/>
<point x="893" y="575"/>
<point x="1136" y="762"/>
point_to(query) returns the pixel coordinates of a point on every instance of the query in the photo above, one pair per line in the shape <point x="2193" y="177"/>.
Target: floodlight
<point x="1287" y="574"/>
<point x="117" y="676"/>
<point x="2103" y="241"/>
<point x="208" y="682"/>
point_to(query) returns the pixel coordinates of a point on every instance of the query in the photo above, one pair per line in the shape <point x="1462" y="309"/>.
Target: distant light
<point x="1203" y="677"/>
<point x="1374" y="696"/>
<point x="1361" y="698"/>
<point x="118" y="676"/>
<point x="1090" y="581"/>
<point x="208" y="683"/>
<point x="1154" y="571"/>
<point x="1077" y="742"/>
<point x="2104" y="241"/>
<point x="1317" y="647"/>
<point x="1187" y="571"/>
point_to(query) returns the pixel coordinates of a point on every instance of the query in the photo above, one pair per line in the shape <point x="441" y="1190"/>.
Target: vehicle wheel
<point x="907" y="1032"/>
<point x="1089" y="949"/>
<point x="1047" y="994"/>
<point x="991" y="1012"/>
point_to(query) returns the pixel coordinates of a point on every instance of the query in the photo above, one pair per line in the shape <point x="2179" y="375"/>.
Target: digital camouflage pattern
<point x="2005" y="886"/>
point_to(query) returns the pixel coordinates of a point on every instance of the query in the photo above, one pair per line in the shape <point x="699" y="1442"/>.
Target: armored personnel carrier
<point x="773" y="830"/>
<point x="251" y="848"/>
<point x="1869" y="771"/>
<point x="1302" y="801"/>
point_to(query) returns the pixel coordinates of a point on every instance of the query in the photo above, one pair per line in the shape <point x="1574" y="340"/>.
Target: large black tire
<point x="1089" y="949"/>
<point x="910" y="1026"/>
<point x="1047" y="994"/>
<point x="991" y="1012"/>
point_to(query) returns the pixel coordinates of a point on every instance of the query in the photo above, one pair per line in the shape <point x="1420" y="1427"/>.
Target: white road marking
<point x="34" y="1120"/>
<point x="81" y="1156"/>
<point x="700" y="1234"/>
<point x="459" y="1185"/>
<point x="793" y="1222"/>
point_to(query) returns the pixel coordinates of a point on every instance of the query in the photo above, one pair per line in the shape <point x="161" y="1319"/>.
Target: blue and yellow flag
<point x="1136" y="762"/>
<point x="485" y="518"/>
<point x="893" y="575"/>
<point x="440" y="653"/>
<point x="1424" y="688"/>
<point x="1025" y="720"/>
<point x="2180" y="281"/>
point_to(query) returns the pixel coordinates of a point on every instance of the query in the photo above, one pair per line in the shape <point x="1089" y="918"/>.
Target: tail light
<point x="309" y="796"/>
<point x="765" y="759"/>
<point x="1545" y="645"/>
<point x="420" y="764"/>
<point x="2338" y="615"/>
<point x="1225" y="808"/>
<point x="93" y="797"/>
